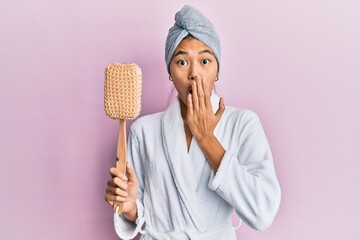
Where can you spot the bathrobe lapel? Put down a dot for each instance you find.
(182, 166)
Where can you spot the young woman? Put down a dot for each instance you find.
(193, 164)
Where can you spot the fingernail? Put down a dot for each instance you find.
(123, 177)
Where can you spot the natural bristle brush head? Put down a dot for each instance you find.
(122, 90)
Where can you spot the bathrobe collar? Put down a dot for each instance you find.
(174, 143)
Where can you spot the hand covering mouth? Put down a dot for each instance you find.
(190, 90)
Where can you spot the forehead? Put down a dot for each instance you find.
(192, 44)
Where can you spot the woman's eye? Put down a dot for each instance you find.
(182, 62)
(205, 61)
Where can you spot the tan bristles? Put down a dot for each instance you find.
(122, 90)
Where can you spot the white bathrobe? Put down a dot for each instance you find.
(180, 196)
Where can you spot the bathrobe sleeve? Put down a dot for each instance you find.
(246, 176)
(124, 228)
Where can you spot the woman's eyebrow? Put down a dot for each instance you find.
(206, 51)
(181, 52)
(186, 53)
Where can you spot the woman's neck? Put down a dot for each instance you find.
(183, 109)
(187, 130)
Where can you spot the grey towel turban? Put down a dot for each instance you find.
(191, 21)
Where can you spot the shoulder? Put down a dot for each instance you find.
(243, 125)
(239, 115)
(146, 123)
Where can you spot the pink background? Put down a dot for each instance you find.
(295, 63)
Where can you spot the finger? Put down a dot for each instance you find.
(221, 109)
(117, 191)
(120, 183)
(131, 173)
(114, 172)
(118, 208)
(190, 106)
(111, 203)
(111, 183)
(114, 205)
(201, 95)
(194, 96)
(207, 93)
(114, 198)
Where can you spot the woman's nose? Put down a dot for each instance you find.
(194, 72)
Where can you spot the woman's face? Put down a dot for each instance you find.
(192, 60)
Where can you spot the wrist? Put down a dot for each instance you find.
(206, 139)
(132, 214)
(213, 150)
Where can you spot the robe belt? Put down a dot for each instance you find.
(217, 232)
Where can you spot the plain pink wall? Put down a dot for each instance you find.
(295, 63)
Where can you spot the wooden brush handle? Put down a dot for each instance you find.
(121, 151)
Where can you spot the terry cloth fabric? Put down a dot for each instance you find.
(181, 197)
(191, 21)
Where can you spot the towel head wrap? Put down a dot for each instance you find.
(191, 21)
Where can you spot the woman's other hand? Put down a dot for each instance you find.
(200, 116)
(202, 121)
(122, 189)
